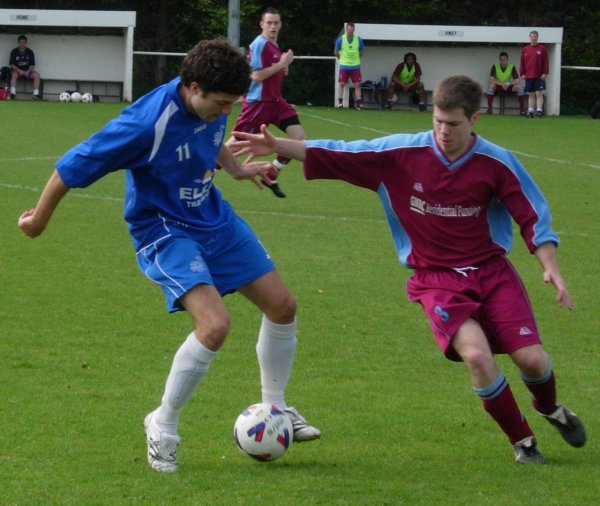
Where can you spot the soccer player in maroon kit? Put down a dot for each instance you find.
(534, 69)
(449, 196)
(264, 103)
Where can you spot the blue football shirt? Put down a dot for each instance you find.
(170, 158)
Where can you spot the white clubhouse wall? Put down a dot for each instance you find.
(94, 46)
(448, 50)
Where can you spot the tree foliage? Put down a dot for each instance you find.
(311, 26)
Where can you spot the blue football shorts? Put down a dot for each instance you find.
(532, 85)
(227, 259)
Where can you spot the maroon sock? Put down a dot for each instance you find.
(490, 99)
(521, 103)
(544, 394)
(503, 408)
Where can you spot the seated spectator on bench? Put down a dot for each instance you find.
(407, 77)
(22, 63)
(504, 80)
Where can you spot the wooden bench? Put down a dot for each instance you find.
(505, 104)
(50, 89)
(374, 96)
(404, 100)
(25, 88)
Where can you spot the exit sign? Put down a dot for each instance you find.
(451, 33)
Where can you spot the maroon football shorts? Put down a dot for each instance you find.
(491, 293)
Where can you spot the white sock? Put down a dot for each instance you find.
(190, 365)
(278, 165)
(36, 92)
(275, 350)
(13, 91)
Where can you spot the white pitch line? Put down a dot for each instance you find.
(553, 160)
(312, 216)
(29, 158)
(556, 160)
(300, 216)
(341, 123)
(240, 211)
(353, 125)
(74, 194)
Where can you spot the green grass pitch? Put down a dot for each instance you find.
(86, 343)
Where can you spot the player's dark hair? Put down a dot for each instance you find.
(503, 53)
(458, 92)
(21, 37)
(410, 54)
(270, 10)
(217, 67)
(350, 23)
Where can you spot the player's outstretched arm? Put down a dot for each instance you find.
(247, 169)
(546, 255)
(34, 221)
(266, 143)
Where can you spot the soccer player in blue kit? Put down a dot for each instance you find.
(449, 196)
(187, 239)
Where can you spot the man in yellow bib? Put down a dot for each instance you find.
(348, 49)
(407, 77)
(504, 80)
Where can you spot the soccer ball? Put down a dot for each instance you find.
(263, 432)
(75, 96)
(64, 97)
(87, 98)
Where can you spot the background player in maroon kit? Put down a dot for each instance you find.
(449, 196)
(264, 103)
(534, 69)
